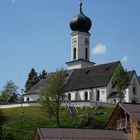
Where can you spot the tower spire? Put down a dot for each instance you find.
(80, 40)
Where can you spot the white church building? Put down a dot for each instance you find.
(85, 80)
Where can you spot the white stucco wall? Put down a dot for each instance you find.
(79, 64)
(127, 95)
(74, 66)
(128, 92)
(81, 94)
(19, 105)
(103, 94)
(31, 97)
(80, 44)
(91, 94)
(134, 83)
(111, 89)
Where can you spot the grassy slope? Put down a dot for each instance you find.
(34, 117)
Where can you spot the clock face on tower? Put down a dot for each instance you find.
(74, 42)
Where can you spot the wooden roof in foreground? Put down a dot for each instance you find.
(79, 134)
(133, 109)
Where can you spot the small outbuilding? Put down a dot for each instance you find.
(126, 117)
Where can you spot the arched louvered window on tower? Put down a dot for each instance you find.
(86, 53)
(74, 53)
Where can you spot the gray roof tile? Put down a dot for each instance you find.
(80, 134)
(84, 78)
(132, 109)
(91, 77)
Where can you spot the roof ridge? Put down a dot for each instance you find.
(106, 63)
(130, 103)
(96, 65)
(131, 71)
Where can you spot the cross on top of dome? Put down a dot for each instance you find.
(81, 4)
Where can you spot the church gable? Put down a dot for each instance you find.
(134, 88)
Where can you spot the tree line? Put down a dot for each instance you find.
(10, 94)
(33, 78)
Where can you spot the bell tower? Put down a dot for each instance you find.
(80, 41)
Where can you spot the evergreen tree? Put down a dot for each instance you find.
(53, 95)
(32, 79)
(121, 81)
(43, 74)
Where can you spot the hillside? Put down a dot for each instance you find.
(21, 122)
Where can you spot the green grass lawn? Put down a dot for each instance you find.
(23, 127)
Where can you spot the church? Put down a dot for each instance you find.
(87, 81)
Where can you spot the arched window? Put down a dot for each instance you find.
(86, 96)
(69, 97)
(74, 53)
(86, 53)
(98, 96)
(134, 90)
(28, 99)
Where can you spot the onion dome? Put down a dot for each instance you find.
(80, 22)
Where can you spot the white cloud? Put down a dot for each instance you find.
(99, 49)
(124, 59)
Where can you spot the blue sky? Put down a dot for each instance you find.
(36, 33)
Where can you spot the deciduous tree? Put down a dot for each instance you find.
(53, 95)
(4, 97)
(9, 93)
(121, 81)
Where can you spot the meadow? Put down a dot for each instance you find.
(21, 123)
